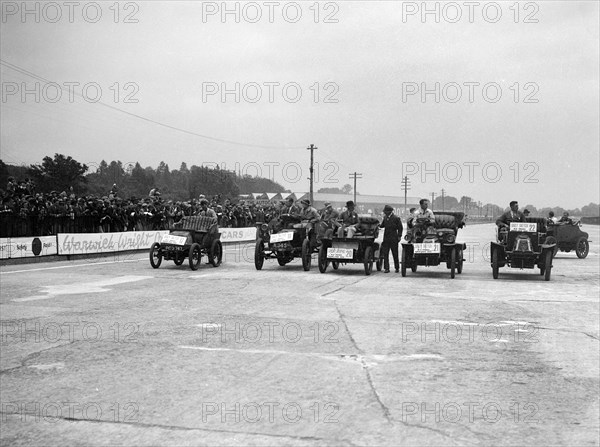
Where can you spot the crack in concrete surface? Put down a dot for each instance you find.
(184, 428)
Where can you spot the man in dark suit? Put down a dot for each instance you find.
(391, 238)
(512, 215)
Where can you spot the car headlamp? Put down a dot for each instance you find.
(450, 238)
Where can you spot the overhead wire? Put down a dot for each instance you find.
(143, 118)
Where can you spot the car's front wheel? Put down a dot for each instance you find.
(495, 265)
(259, 256)
(306, 255)
(368, 261)
(323, 263)
(155, 255)
(195, 256)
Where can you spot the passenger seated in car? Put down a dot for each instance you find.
(349, 221)
(565, 218)
(551, 218)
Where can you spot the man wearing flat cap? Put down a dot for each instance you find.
(205, 210)
(308, 213)
(288, 207)
(329, 219)
(391, 238)
(349, 221)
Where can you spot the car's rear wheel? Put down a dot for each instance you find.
(216, 253)
(155, 255)
(195, 256)
(548, 265)
(582, 247)
(306, 255)
(413, 266)
(179, 259)
(495, 265)
(259, 256)
(403, 262)
(452, 263)
(323, 263)
(459, 261)
(368, 260)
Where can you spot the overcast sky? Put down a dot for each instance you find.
(360, 71)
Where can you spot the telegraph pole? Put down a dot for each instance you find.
(311, 148)
(355, 175)
(443, 196)
(405, 187)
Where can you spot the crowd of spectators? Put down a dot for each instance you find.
(25, 212)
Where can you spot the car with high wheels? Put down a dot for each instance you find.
(359, 249)
(431, 243)
(568, 237)
(523, 245)
(285, 238)
(190, 238)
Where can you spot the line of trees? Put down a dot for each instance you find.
(60, 173)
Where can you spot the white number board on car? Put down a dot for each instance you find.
(174, 240)
(530, 227)
(340, 253)
(282, 237)
(427, 248)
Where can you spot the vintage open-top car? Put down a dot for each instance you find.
(568, 236)
(285, 238)
(361, 248)
(523, 245)
(191, 237)
(432, 243)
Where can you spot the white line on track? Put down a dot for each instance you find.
(70, 266)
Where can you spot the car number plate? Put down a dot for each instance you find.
(340, 253)
(426, 248)
(281, 237)
(530, 227)
(175, 240)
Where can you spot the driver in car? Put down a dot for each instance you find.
(205, 210)
(423, 215)
(349, 221)
(512, 215)
(289, 207)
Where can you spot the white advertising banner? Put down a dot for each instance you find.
(86, 243)
(237, 234)
(27, 247)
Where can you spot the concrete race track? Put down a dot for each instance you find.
(112, 352)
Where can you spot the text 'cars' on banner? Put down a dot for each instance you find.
(85, 243)
(237, 234)
(27, 247)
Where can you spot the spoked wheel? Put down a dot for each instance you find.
(155, 255)
(179, 259)
(452, 263)
(323, 263)
(306, 255)
(195, 256)
(548, 265)
(335, 265)
(459, 261)
(368, 261)
(378, 264)
(259, 256)
(403, 262)
(582, 247)
(216, 253)
(495, 266)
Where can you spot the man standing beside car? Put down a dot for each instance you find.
(391, 238)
